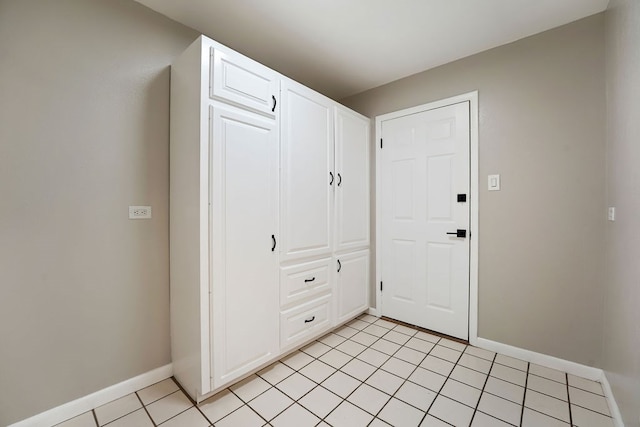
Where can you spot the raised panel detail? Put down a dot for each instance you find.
(404, 268)
(442, 129)
(402, 176)
(439, 277)
(440, 188)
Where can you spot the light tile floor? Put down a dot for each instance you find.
(373, 372)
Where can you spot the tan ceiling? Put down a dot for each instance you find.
(343, 47)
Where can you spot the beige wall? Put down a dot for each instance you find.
(542, 125)
(84, 132)
(622, 283)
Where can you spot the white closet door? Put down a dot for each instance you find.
(352, 180)
(244, 267)
(307, 172)
(352, 284)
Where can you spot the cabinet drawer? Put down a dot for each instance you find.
(304, 281)
(304, 321)
(243, 81)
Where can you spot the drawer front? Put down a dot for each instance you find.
(304, 321)
(303, 281)
(245, 82)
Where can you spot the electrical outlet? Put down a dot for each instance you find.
(611, 213)
(139, 212)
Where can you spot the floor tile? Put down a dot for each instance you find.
(512, 362)
(385, 381)
(415, 395)
(480, 419)
(469, 376)
(428, 379)
(364, 338)
(548, 373)
(376, 330)
(157, 391)
(399, 414)
(317, 371)
(405, 330)
(244, 417)
(220, 405)
(386, 347)
(396, 337)
(418, 344)
(385, 323)
(346, 332)
(341, 384)
(398, 367)
(191, 418)
(545, 386)
(445, 353)
(335, 358)
(270, 403)
(585, 418)
(451, 411)
(320, 401)
(511, 375)
(437, 365)
(250, 387)
(427, 337)
(348, 415)
(547, 405)
(296, 386)
(367, 318)
(275, 373)
(357, 324)
(431, 421)
(531, 418)
(332, 340)
(461, 392)
(373, 357)
(369, 398)
(475, 363)
(410, 355)
(454, 345)
(358, 369)
(504, 389)
(169, 406)
(585, 384)
(83, 420)
(295, 416)
(500, 408)
(297, 360)
(118, 408)
(316, 349)
(377, 422)
(588, 400)
(137, 418)
(352, 348)
(481, 353)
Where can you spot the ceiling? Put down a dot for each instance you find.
(343, 47)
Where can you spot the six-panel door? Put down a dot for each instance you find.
(244, 268)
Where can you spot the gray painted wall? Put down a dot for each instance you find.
(84, 132)
(622, 284)
(542, 127)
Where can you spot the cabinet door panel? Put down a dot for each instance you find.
(307, 161)
(352, 287)
(352, 187)
(244, 165)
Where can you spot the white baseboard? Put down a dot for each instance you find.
(613, 406)
(373, 311)
(79, 406)
(572, 368)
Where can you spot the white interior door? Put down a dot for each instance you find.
(424, 165)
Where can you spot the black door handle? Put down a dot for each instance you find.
(310, 320)
(273, 238)
(339, 180)
(274, 103)
(339, 266)
(331, 175)
(309, 280)
(459, 233)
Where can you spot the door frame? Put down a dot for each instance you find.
(472, 98)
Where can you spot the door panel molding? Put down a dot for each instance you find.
(472, 98)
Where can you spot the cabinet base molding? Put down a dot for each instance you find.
(91, 401)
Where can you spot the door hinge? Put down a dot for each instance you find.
(381, 143)
(380, 286)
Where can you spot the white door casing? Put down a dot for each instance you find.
(244, 218)
(423, 165)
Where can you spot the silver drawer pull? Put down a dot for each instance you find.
(310, 320)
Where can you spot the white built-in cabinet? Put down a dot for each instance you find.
(269, 216)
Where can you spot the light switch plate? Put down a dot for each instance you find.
(493, 182)
(611, 213)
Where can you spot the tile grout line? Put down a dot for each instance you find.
(486, 380)
(145, 408)
(95, 417)
(566, 377)
(524, 395)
